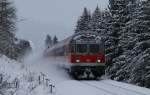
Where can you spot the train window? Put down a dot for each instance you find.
(72, 48)
(81, 48)
(94, 48)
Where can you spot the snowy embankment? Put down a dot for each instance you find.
(17, 79)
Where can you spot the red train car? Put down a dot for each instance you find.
(83, 54)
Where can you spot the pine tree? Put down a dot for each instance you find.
(106, 28)
(119, 12)
(21, 49)
(133, 64)
(83, 22)
(119, 18)
(55, 40)
(118, 9)
(141, 48)
(7, 27)
(141, 19)
(10, 46)
(128, 36)
(48, 41)
(96, 21)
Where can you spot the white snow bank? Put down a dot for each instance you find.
(28, 81)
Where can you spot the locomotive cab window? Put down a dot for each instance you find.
(72, 48)
(94, 48)
(81, 48)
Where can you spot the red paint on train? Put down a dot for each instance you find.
(99, 58)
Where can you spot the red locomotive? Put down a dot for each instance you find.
(83, 53)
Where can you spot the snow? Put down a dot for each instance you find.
(52, 68)
(12, 70)
(143, 91)
(103, 87)
(28, 71)
(78, 88)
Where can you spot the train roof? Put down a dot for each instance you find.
(74, 37)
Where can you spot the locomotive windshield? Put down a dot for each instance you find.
(87, 48)
(81, 48)
(94, 48)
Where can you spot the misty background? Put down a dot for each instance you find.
(55, 17)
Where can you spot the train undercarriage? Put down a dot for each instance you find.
(87, 72)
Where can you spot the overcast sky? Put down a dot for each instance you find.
(54, 17)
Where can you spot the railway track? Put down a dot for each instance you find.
(130, 90)
(99, 88)
(111, 89)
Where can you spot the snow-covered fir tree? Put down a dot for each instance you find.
(21, 48)
(120, 16)
(141, 48)
(105, 28)
(9, 45)
(55, 40)
(106, 22)
(48, 41)
(83, 22)
(7, 27)
(118, 11)
(128, 35)
(95, 23)
(133, 64)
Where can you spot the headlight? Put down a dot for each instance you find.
(77, 61)
(98, 61)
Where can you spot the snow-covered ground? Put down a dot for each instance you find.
(17, 79)
(28, 72)
(103, 87)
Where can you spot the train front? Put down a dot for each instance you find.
(87, 56)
